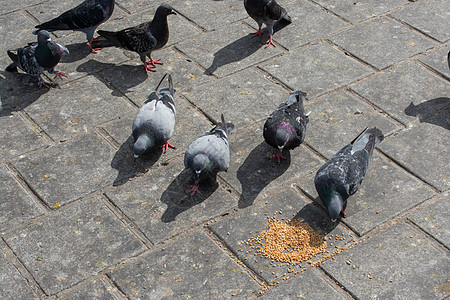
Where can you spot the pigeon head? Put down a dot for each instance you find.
(335, 206)
(165, 10)
(141, 145)
(200, 163)
(43, 36)
(281, 138)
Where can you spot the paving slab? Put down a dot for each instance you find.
(86, 235)
(94, 289)
(249, 91)
(336, 119)
(190, 124)
(438, 60)
(69, 171)
(396, 263)
(307, 285)
(309, 22)
(10, 6)
(318, 69)
(185, 75)
(358, 11)
(233, 51)
(385, 192)
(252, 172)
(402, 88)
(12, 284)
(433, 219)
(284, 204)
(136, 6)
(191, 267)
(16, 31)
(16, 206)
(210, 14)
(83, 104)
(17, 137)
(159, 205)
(385, 42)
(424, 151)
(435, 25)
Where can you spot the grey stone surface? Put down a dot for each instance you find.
(308, 285)
(395, 90)
(309, 22)
(234, 51)
(318, 69)
(69, 171)
(358, 11)
(438, 61)
(94, 289)
(134, 6)
(192, 267)
(14, 36)
(252, 172)
(423, 150)
(248, 92)
(417, 269)
(385, 192)
(12, 284)
(211, 14)
(17, 137)
(336, 119)
(159, 205)
(283, 205)
(385, 42)
(436, 25)
(185, 74)
(86, 235)
(62, 114)
(16, 206)
(434, 220)
(10, 6)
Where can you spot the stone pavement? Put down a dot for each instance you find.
(80, 219)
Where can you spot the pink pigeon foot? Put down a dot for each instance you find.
(166, 146)
(149, 67)
(60, 75)
(194, 189)
(94, 50)
(270, 42)
(154, 62)
(278, 156)
(258, 33)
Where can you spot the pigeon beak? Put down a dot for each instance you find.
(173, 13)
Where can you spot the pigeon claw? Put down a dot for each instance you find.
(94, 50)
(60, 75)
(149, 68)
(166, 146)
(258, 33)
(270, 42)
(278, 156)
(194, 189)
(154, 61)
(44, 83)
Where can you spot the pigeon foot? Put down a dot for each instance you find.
(149, 68)
(343, 214)
(270, 42)
(154, 61)
(278, 156)
(60, 75)
(258, 33)
(166, 146)
(194, 189)
(44, 83)
(94, 50)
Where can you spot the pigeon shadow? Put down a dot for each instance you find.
(254, 181)
(178, 200)
(123, 161)
(77, 52)
(18, 90)
(122, 77)
(315, 216)
(435, 111)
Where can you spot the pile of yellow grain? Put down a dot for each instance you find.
(289, 241)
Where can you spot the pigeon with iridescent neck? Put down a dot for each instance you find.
(37, 57)
(341, 176)
(209, 154)
(154, 124)
(286, 126)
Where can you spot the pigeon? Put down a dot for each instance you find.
(86, 17)
(286, 126)
(154, 124)
(209, 154)
(142, 39)
(341, 176)
(267, 12)
(37, 57)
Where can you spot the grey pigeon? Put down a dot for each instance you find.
(341, 176)
(210, 153)
(86, 17)
(286, 126)
(37, 57)
(267, 12)
(142, 39)
(154, 124)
